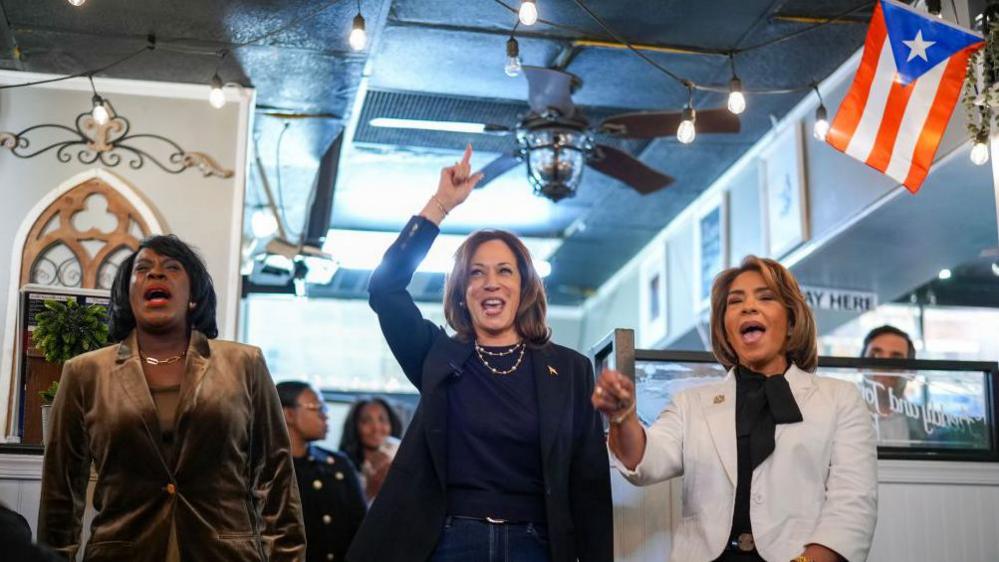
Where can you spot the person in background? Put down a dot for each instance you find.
(505, 457)
(332, 503)
(370, 438)
(894, 429)
(185, 431)
(15, 536)
(777, 463)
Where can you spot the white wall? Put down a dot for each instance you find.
(206, 212)
(928, 511)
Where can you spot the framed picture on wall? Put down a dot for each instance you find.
(782, 179)
(710, 247)
(653, 324)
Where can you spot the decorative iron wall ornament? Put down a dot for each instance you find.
(111, 143)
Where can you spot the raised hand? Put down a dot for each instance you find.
(613, 394)
(457, 182)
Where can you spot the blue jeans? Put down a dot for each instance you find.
(475, 540)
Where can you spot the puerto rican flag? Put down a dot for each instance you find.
(909, 80)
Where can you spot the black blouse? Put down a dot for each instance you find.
(761, 402)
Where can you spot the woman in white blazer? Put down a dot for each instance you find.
(777, 464)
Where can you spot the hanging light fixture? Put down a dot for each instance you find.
(686, 132)
(736, 99)
(358, 36)
(979, 153)
(821, 127)
(528, 12)
(216, 96)
(76, 3)
(101, 111)
(512, 66)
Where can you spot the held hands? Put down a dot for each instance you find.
(456, 182)
(614, 396)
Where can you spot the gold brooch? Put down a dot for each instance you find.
(719, 398)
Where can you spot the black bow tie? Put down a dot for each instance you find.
(762, 402)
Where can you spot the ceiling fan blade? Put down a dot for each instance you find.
(444, 126)
(624, 167)
(717, 121)
(497, 168)
(550, 88)
(652, 124)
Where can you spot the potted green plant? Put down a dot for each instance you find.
(47, 396)
(64, 330)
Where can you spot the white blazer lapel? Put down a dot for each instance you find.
(718, 402)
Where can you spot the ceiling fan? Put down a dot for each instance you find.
(557, 141)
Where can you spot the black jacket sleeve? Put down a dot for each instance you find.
(408, 334)
(589, 481)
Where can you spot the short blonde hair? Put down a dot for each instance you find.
(801, 345)
(531, 321)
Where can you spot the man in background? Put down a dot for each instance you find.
(895, 429)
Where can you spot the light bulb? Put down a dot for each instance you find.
(980, 153)
(216, 96)
(821, 127)
(736, 101)
(685, 133)
(263, 224)
(76, 2)
(100, 112)
(528, 12)
(512, 67)
(944, 274)
(358, 38)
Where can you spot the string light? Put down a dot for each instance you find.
(512, 66)
(358, 36)
(821, 127)
(686, 132)
(100, 111)
(528, 12)
(736, 100)
(979, 153)
(216, 96)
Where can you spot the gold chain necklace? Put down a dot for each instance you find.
(154, 361)
(480, 351)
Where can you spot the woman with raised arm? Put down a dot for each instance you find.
(777, 463)
(505, 456)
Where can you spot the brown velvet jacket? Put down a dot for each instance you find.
(230, 490)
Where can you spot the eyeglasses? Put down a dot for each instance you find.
(315, 407)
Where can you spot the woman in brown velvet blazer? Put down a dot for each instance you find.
(186, 433)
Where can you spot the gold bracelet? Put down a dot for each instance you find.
(618, 419)
(439, 204)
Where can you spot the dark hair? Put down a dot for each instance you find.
(888, 329)
(530, 322)
(350, 439)
(202, 318)
(802, 347)
(289, 391)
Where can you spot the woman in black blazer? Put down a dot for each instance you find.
(505, 457)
